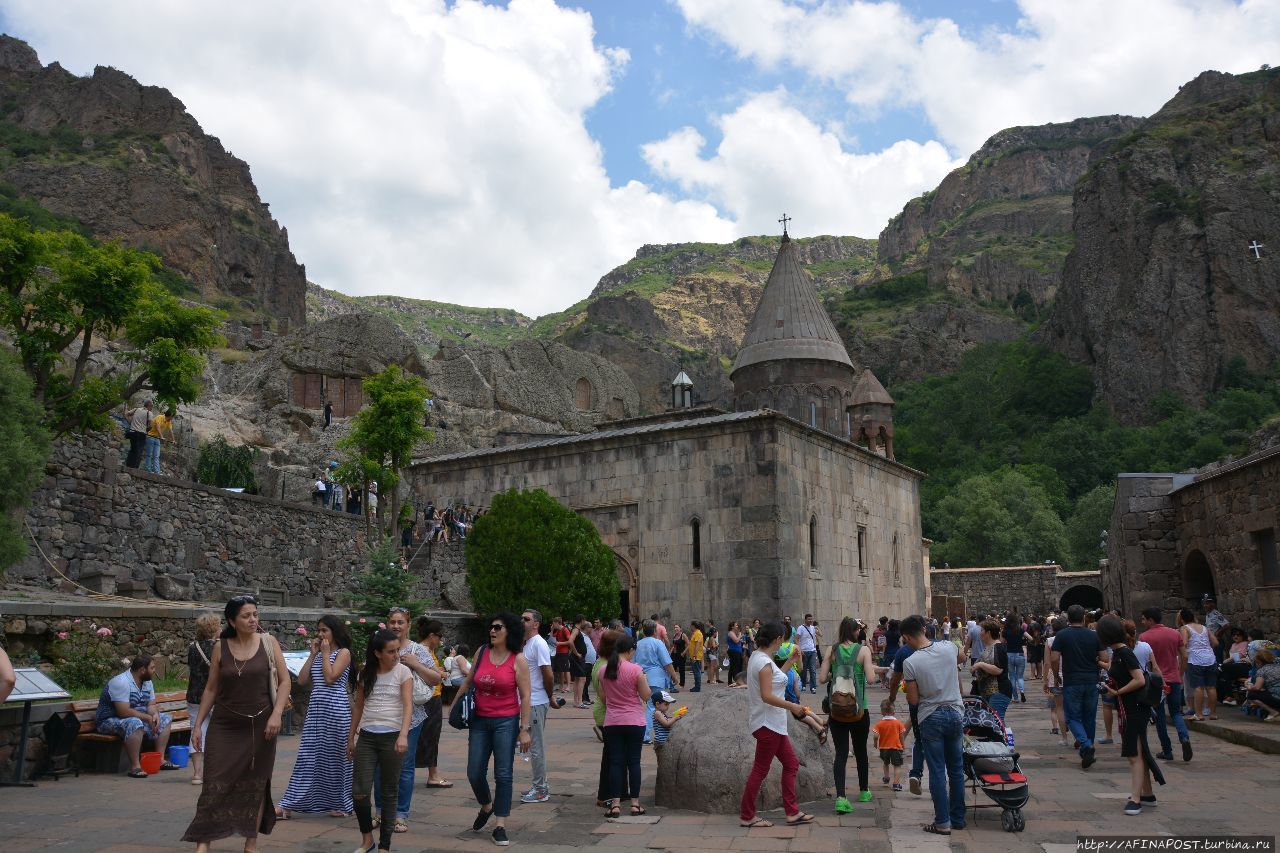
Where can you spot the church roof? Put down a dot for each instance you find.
(869, 390)
(790, 321)
(644, 427)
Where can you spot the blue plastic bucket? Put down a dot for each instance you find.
(179, 755)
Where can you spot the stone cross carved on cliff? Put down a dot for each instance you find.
(1257, 248)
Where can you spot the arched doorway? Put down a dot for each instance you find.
(1197, 578)
(628, 588)
(1086, 595)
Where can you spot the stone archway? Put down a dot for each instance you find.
(1197, 577)
(629, 588)
(1086, 595)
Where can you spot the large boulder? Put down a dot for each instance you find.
(704, 765)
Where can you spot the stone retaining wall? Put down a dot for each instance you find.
(1032, 589)
(115, 529)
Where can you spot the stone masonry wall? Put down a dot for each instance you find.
(1142, 559)
(1032, 589)
(1227, 515)
(115, 529)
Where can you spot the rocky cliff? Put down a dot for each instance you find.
(1161, 289)
(130, 163)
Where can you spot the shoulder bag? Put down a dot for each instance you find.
(464, 706)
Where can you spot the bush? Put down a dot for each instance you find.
(531, 551)
(24, 447)
(385, 584)
(82, 660)
(227, 466)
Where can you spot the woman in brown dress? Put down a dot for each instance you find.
(241, 750)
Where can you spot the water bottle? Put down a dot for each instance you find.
(1008, 737)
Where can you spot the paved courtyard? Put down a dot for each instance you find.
(1226, 789)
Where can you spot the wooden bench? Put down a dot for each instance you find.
(106, 759)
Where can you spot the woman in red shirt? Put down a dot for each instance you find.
(501, 679)
(560, 660)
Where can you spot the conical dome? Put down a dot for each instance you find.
(790, 322)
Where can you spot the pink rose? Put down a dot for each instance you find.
(76, 622)
(382, 625)
(362, 620)
(104, 632)
(302, 629)
(62, 635)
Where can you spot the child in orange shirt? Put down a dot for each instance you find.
(889, 732)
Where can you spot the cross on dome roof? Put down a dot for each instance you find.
(790, 322)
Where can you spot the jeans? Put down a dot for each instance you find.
(1000, 702)
(538, 747)
(152, 462)
(1174, 703)
(809, 670)
(377, 750)
(841, 736)
(1080, 707)
(494, 736)
(137, 444)
(624, 744)
(735, 665)
(1018, 674)
(770, 745)
(405, 783)
(696, 666)
(941, 737)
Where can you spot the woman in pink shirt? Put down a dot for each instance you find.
(501, 678)
(625, 690)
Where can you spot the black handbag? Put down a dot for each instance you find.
(464, 705)
(1153, 691)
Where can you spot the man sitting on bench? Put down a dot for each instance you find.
(127, 709)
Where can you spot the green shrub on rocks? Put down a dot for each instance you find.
(24, 447)
(227, 466)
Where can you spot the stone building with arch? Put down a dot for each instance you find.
(1178, 537)
(771, 509)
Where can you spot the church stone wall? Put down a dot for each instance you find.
(752, 485)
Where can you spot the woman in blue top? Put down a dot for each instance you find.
(733, 638)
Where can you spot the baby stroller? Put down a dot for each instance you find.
(992, 766)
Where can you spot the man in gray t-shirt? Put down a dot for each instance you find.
(932, 677)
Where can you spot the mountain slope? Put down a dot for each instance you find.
(1161, 291)
(130, 163)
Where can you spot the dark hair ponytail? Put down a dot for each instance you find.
(369, 674)
(620, 648)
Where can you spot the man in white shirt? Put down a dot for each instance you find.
(807, 640)
(933, 686)
(541, 685)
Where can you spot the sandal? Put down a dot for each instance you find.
(283, 814)
(168, 765)
(339, 814)
(613, 812)
(137, 773)
(439, 783)
(758, 823)
(401, 825)
(932, 828)
(799, 819)
(636, 811)
(822, 736)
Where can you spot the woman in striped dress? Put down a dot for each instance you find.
(321, 780)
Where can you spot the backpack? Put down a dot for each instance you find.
(842, 688)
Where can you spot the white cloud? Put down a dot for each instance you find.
(418, 148)
(772, 158)
(1062, 60)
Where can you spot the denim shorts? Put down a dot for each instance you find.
(1202, 676)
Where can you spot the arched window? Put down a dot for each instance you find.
(897, 566)
(813, 542)
(582, 396)
(813, 414)
(695, 527)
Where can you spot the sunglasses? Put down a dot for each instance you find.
(244, 599)
(497, 627)
(403, 610)
(526, 618)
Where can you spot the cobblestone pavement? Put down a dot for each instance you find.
(1222, 791)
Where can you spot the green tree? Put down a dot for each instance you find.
(381, 586)
(227, 466)
(385, 432)
(530, 550)
(60, 294)
(1003, 518)
(1091, 516)
(24, 447)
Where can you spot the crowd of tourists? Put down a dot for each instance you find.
(371, 725)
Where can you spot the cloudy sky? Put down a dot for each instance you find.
(509, 154)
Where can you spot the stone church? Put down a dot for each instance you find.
(792, 503)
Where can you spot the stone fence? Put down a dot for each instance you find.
(163, 631)
(1032, 589)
